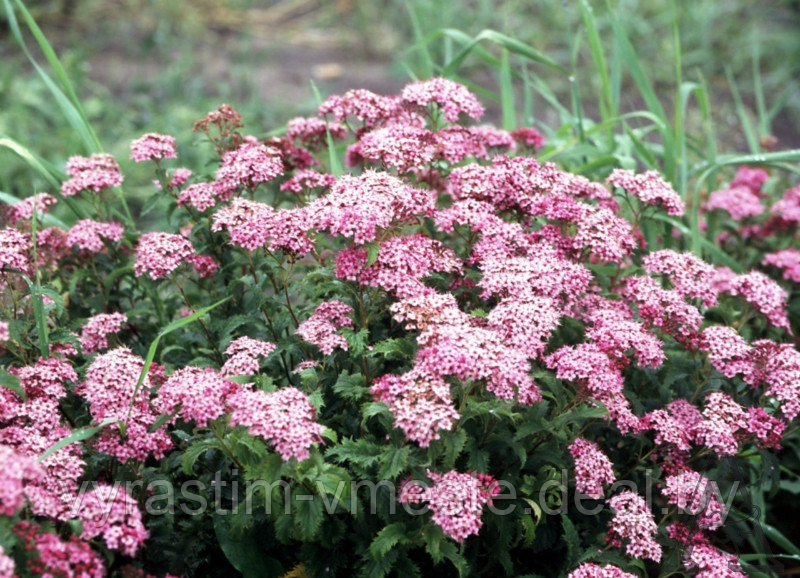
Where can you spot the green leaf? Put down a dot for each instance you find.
(373, 249)
(78, 435)
(393, 461)
(388, 538)
(308, 513)
(361, 452)
(244, 552)
(11, 382)
(351, 387)
(454, 444)
(572, 540)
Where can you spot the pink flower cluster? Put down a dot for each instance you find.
(159, 254)
(634, 523)
(153, 147)
(284, 417)
(769, 298)
(421, 404)
(89, 235)
(689, 275)
(95, 173)
(650, 188)
(788, 260)
(248, 166)
(694, 494)
(456, 500)
(14, 249)
(23, 210)
(590, 570)
(15, 472)
(113, 390)
(451, 97)
(592, 468)
(320, 329)
(110, 512)
(94, 334)
(243, 356)
(195, 394)
(57, 557)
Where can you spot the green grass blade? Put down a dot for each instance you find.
(65, 96)
(741, 112)
(758, 89)
(78, 435)
(421, 47)
(151, 352)
(607, 105)
(36, 295)
(507, 93)
(631, 61)
(334, 164)
(472, 45)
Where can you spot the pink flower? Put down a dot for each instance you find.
(244, 353)
(727, 352)
(308, 179)
(739, 202)
(592, 468)
(401, 265)
(254, 225)
(357, 207)
(787, 208)
(201, 196)
(95, 173)
(788, 260)
(56, 557)
(5, 334)
(526, 323)
(320, 329)
(94, 335)
(662, 308)
(250, 165)
(109, 387)
(205, 266)
(23, 210)
(528, 137)
(89, 235)
(110, 512)
(712, 563)
(615, 333)
(633, 522)
(777, 366)
(159, 254)
(590, 570)
(16, 471)
(693, 493)
(195, 394)
(690, 276)
(456, 500)
(284, 417)
(751, 177)
(153, 147)
(420, 403)
(723, 419)
(362, 104)
(650, 188)
(7, 566)
(14, 249)
(399, 146)
(451, 97)
(769, 298)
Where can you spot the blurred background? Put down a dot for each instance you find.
(158, 65)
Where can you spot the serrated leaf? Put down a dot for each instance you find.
(393, 461)
(388, 538)
(373, 249)
(454, 445)
(572, 540)
(352, 387)
(307, 513)
(193, 453)
(361, 452)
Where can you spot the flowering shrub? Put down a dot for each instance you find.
(450, 357)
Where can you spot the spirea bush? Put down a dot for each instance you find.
(434, 353)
